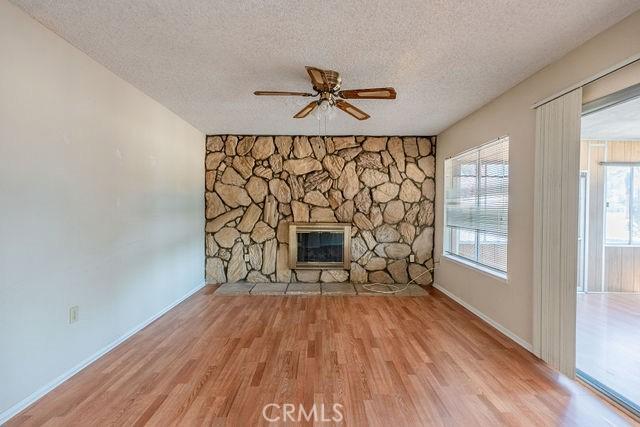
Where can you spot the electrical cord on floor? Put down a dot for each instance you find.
(395, 288)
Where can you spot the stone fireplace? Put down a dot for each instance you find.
(382, 187)
(319, 246)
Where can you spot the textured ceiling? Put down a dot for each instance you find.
(204, 58)
(620, 122)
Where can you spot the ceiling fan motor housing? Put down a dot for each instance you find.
(333, 81)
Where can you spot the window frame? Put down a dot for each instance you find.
(447, 230)
(630, 203)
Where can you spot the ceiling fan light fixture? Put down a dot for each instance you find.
(327, 87)
(325, 110)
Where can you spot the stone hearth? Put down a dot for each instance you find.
(312, 289)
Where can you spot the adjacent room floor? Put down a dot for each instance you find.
(608, 340)
(401, 361)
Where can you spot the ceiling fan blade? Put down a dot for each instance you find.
(323, 80)
(372, 93)
(306, 110)
(352, 110)
(278, 93)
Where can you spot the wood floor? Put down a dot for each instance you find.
(401, 361)
(608, 340)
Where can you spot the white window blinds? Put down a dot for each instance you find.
(477, 205)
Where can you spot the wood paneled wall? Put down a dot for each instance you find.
(595, 152)
(622, 268)
(620, 271)
(623, 151)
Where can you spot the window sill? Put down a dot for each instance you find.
(502, 277)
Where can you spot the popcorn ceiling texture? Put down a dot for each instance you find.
(203, 59)
(257, 185)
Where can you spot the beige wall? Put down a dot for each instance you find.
(510, 304)
(101, 206)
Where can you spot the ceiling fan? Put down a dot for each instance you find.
(326, 84)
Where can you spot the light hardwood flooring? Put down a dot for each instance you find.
(402, 361)
(608, 340)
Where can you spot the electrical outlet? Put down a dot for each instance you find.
(74, 313)
(412, 258)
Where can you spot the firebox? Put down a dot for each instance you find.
(319, 246)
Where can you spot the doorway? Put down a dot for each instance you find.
(608, 300)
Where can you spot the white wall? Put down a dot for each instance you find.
(510, 304)
(101, 206)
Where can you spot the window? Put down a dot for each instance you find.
(622, 207)
(476, 206)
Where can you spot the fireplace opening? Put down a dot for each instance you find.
(320, 246)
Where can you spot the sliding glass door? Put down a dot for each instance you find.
(608, 300)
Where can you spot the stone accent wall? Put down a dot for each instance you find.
(256, 185)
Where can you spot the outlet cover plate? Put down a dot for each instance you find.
(74, 313)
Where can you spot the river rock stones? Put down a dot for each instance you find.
(256, 185)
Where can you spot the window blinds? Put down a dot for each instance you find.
(477, 204)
